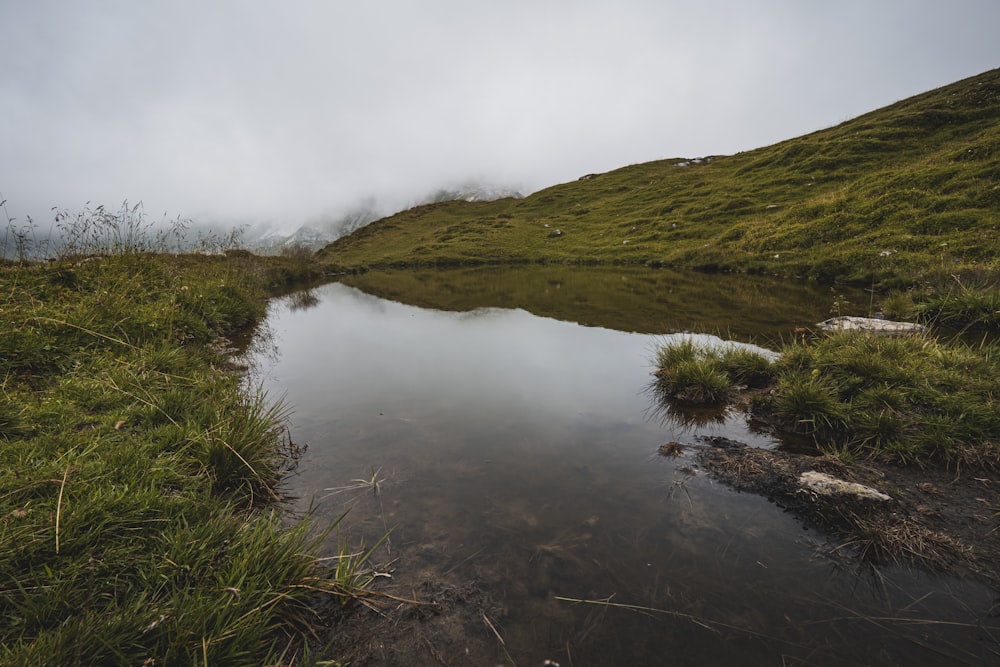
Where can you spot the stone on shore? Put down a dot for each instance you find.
(870, 325)
(828, 485)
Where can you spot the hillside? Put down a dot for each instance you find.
(908, 190)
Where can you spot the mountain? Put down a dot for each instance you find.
(903, 191)
(317, 233)
(472, 191)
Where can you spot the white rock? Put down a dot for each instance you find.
(827, 485)
(870, 324)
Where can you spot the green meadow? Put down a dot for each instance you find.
(904, 194)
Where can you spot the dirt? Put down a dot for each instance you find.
(444, 623)
(945, 520)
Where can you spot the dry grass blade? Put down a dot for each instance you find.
(496, 633)
(62, 487)
(489, 624)
(85, 330)
(900, 541)
(708, 625)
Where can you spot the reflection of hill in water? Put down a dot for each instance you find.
(623, 298)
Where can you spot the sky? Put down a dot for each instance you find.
(299, 111)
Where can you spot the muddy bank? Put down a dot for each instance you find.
(936, 519)
(450, 621)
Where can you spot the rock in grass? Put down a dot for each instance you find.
(870, 325)
(828, 485)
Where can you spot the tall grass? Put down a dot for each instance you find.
(102, 231)
(137, 480)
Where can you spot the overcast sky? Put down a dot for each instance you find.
(292, 110)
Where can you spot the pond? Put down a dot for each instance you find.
(501, 431)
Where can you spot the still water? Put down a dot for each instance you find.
(514, 458)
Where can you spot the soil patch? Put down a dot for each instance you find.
(937, 519)
(445, 623)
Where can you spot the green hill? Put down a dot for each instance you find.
(909, 190)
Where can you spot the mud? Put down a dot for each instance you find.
(939, 519)
(446, 623)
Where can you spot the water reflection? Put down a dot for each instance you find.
(517, 459)
(624, 298)
(302, 300)
(670, 413)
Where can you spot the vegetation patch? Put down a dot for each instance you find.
(910, 398)
(138, 478)
(920, 413)
(969, 304)
(700, 375)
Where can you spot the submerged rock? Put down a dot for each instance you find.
(828, 485)
(871, 325)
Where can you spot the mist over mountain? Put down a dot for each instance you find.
(38, 239)
(317, 232)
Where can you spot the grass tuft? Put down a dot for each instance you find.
(808, 405)
(911, 398)
(693, 375)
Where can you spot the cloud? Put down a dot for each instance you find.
(239, 111)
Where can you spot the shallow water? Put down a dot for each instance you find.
(517, 455)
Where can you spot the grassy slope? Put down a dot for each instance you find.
(910, 189)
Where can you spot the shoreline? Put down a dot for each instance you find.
(936, 519)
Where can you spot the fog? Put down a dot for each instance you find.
(300, 111)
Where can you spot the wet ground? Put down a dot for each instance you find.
(935, 518)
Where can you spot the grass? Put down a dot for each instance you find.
(689, 374)
(138, 477)
(952, 303)
(890, 198)
(911, 398)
